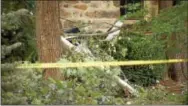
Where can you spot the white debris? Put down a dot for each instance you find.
(31, 13)
(128, 103)
(115, 33)
(97, 46)
(66, 43)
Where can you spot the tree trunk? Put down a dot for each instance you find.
(165, 4)
(152, 7)
(48, 35)
(177, 71)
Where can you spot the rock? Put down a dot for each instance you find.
(64, 13)
(66, 5)
(81, 6)
(102, 14)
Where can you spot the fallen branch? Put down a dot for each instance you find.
(125, 85)
(111, 33)
(118, 80)
(73, 35)
(66, 44)
(115, 33)
(79, 49)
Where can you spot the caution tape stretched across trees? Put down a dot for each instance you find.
(99, 63)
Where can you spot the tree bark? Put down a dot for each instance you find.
(48, 35)
(165, 4)
(177, 71)
(152, 7)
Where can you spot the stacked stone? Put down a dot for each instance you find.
(96, 12)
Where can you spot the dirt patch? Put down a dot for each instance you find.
(172, 86)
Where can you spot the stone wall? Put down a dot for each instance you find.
(94, 12)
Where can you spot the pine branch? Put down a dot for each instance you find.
(5, 50)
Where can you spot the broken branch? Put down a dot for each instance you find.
(118, 80)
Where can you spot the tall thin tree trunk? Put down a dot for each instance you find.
(48, 34)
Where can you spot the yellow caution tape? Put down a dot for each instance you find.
(99, 63)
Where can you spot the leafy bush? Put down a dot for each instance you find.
(82, 86)
(144, 48)
(170, 26)
(130, 46)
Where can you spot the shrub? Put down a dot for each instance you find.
(137, 47)
(82, 86)
(158, 96)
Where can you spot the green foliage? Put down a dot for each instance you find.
(91, 85)
(171, 20)
(158, 96)
(18, 26)
(14, 83)
(170, 23)
(173, 23)
(14, 5)
(129, 46)
(134, 11)
(143, 48)
(25, 87)
(82, 86)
